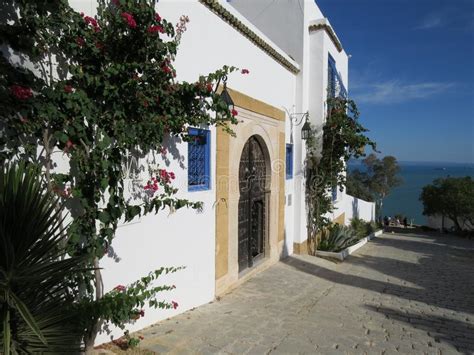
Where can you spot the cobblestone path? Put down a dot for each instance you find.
(399, 294)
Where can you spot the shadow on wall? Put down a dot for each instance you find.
(454, 332)
(355, 208)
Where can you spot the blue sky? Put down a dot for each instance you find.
(411, 73)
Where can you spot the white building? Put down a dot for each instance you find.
(290, 50)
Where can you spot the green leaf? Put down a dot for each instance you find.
(104, 183)
(132, 211)
(27, 316)
(61, 136)
(104, 217)
(6, 331)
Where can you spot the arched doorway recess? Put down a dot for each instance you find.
(254, 176)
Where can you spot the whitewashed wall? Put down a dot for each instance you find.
(187, 238)
(353, 208)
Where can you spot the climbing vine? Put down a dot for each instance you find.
(92, 91)
(327, 151)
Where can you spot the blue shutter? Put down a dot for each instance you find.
(289, 161)
(199, 174)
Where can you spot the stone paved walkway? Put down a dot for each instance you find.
(400, 294)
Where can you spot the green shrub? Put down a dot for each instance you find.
(360, 227)
(337, 238)
(373, 227)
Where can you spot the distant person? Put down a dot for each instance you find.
(405, 222)
(386, 221)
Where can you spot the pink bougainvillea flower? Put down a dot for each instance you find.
(163, 151)
(80, 41)
(129, 19)
(116, 2)
(157, 17)
(21, 92)
(68, 146)
(90, 21)
(166, 69)
(151, 186)
(245, 71)
(93, 22)
(171, 175)
(68, 89)
(155, 29)
(120, 288)
(175, 304)
(209, 87)
(141, 337)
(142, 313)
(234, 112)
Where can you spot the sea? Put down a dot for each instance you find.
(404, 199)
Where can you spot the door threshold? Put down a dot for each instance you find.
(255, 265)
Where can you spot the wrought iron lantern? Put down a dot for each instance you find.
(296, 119)
(306, 129)
(225, 96)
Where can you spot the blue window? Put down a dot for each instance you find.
(199, 157)
(334, 193)
(289, 161)
(332, 73)
(335, 84)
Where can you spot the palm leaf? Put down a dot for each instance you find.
(36, 290)
(27, 316)
(6, 331)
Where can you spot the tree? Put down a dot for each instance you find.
(376, 182)
(450, 197)
(357, 184)
(98, 89)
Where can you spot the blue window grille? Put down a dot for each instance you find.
(335, 85)
(334, 193)
(199, 157)
(332, 72)
(289, 161)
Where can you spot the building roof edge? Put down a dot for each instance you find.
(241, 24)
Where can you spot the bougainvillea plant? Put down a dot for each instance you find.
(94, 90)
(327, 151)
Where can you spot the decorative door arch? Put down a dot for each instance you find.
(253, 202)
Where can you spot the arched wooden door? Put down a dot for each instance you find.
(253, 205)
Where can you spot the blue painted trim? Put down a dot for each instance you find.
(332, 73)
(289, 161)
(335, 79)
(207, 160)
